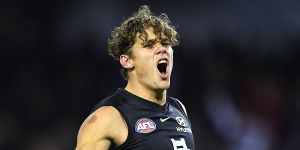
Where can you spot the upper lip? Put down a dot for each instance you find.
(163, 58)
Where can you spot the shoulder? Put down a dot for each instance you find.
(105, 114)
(100, 121)
(106, 119)
(178, 104)
(105, 123)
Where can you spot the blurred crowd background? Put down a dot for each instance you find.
(235, 70)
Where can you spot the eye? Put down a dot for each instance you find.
(149, 43)
(165, 42)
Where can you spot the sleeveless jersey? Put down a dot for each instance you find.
(151, 126)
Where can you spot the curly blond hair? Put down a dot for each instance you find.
(123, 37)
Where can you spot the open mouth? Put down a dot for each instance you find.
(162, 66)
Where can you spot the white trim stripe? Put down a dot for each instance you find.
(181, 106)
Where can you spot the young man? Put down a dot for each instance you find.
(140, 116)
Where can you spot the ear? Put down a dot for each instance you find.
(126, 61)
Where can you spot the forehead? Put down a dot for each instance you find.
(140, 38)
(150, 33)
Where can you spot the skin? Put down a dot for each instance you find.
(102, 128)
(106, 125)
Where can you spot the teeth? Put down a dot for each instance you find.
(162, 61)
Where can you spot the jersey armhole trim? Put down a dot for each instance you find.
(183, 107)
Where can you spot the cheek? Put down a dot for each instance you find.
(144, 63)
(144, 66)
(171, 58)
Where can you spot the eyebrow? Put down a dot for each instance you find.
(152, 40)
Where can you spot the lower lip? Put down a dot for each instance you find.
(164, 75)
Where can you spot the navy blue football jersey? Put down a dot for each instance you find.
(151, 126)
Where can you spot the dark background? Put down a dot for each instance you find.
(235, 70)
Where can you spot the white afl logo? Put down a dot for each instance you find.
(145, 125)
(181, 121)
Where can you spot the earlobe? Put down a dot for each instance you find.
(126, 61)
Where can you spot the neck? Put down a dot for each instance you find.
(156, 96)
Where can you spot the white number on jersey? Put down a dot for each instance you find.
(179, 144)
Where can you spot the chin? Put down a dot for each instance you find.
(164, 86)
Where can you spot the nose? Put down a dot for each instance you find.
(161, 49)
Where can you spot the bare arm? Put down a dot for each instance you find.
(100, 129)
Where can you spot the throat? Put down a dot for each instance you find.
(160, 98)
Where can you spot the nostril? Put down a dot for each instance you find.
(161, 50)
